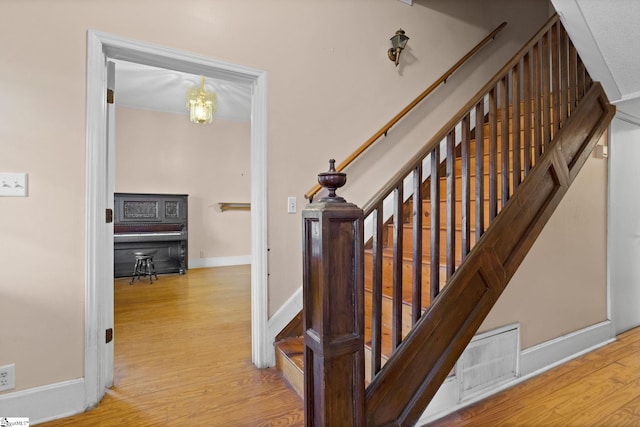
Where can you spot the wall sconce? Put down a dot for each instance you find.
(399, 42)
(201, 104)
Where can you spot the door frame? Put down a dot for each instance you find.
(99, 235)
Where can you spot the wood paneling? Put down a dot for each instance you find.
(183, 357)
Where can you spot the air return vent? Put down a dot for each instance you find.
(489, 360)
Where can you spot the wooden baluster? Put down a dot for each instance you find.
(465, 189)
(515, 126)
(504, 139)
(526, 122)
(434, 278)
(537, 102)
(581, 80)
(479, 169)
(398, 231)
(451, 203)
(493, 154)
(376, 291)
(573, 78)
(555, 77)
(546, 93)
(333, 313)
(564, 75)
(416, 268)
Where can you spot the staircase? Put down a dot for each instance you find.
(487, 197)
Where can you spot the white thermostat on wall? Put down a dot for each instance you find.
(13, 184)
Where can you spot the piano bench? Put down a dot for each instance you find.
(144, 266)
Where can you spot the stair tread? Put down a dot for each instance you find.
(388, 252)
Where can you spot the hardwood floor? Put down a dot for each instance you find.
(599, 389)
(183, 357)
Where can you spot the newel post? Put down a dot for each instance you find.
(333, 309)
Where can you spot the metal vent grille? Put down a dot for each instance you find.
(490, 359)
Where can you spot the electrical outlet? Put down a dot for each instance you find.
(292, 205)
(7, 377)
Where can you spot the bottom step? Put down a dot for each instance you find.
(290, 362)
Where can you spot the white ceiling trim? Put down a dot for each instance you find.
(585, 42)
(604, 33)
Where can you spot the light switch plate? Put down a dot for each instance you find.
(13, 184)
(292, 205)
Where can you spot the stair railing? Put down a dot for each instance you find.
(463, 179)
(309, 195)
(541, 85)
(517, 115)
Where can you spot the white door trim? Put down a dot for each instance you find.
(99, 276)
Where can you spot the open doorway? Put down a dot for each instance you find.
(99, 293)
(160, 151)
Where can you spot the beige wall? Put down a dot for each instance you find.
(561, 286)
(330, 86)
(166, 153)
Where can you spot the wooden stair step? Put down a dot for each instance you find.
(407, 271)
(290, 362)
(407, 236)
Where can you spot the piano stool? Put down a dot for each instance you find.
(144, 266)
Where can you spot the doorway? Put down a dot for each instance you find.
(99, 274)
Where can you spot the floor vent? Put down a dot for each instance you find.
(490, 359)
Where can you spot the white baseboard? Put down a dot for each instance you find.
(533, 361)
(219, 261)
(46, 403)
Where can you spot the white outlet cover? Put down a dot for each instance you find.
(13, 184)
(7, 377)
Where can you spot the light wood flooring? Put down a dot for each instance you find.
(183, 357)
(599, 389)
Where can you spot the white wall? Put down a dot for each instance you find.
(624, 223)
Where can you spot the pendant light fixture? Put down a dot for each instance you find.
(201, 103)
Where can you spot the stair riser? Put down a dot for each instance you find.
(407, 269)
(407, 244)
(426, 212)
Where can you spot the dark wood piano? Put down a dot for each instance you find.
(150, 222)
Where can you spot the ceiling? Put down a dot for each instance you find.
(159, 89)
(604, 32)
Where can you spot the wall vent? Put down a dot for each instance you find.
(490, 359)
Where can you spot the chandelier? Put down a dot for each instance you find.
(201, 103)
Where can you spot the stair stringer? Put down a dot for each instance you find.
(404, 387)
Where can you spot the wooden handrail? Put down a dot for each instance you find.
(383, 131)
(442, 133)
(234, 206)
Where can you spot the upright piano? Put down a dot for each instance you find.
(150, 222)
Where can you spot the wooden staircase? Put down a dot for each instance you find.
(425, 293)
(290, 349)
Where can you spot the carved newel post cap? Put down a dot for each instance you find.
(332, 180)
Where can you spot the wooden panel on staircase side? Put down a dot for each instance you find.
(401, 391)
